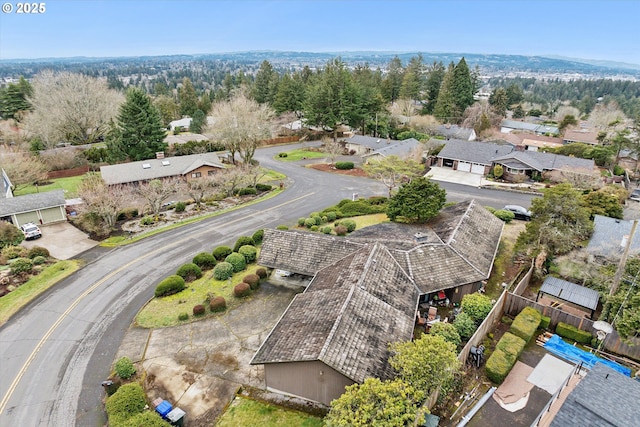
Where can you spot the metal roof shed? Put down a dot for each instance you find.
(570, 292)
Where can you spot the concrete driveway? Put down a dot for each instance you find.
(458, 177)
(63, 240)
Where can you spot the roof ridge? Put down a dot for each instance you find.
(457, 227)
(408, 274)
(331, 334)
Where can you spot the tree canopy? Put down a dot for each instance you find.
(14, 99)
(418, 201)
(391, 170)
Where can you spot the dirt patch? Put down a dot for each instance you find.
(326, 167)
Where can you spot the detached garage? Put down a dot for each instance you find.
(39, 208)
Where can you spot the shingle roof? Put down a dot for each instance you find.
(542, 161)
(159, 168)
(582, 135)
(475, 152)
(31, 202)
(400, 148)
(603, 398)
(571, 292)
(608, 237)
(369, 141)
(532, 127)
(456, 132)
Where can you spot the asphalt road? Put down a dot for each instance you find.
(56, 351)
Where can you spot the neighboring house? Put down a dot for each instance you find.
(401, 149)
(184, 124)
(5, 190)
(519, 165)
(530, 142)
(456, 132)
(364, 295)
(38, 208)
(188, 167)
(628, 159)
(610, 236)
(474, 157)
(362, 145)
(508, 126)
(584, 136)
(184, 138)
(603, 398)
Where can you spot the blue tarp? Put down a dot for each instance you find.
(573, 354)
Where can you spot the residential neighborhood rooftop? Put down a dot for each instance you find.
(609, 237)
(570, 292)
(31, 202)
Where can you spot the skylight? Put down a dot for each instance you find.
(146, 166)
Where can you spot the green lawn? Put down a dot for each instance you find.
(163, 312)
(300, 154)
(69, 185)
(247, 412)
(272, 175)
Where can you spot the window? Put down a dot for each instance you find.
(196, 175)
(211, 172)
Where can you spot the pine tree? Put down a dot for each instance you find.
(393, 80)
(432, 85)
(188, 98)
(264, 84)
(14, 99)
(462, 85)
(445, 108)
(413, 79)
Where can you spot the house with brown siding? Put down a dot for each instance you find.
(364, 294)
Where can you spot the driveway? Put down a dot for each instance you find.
(63, 240)
(458, 177)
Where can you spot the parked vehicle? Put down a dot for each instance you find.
(635, 195)
(31, 231)
(519, 212)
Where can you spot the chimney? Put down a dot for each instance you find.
(160, 155)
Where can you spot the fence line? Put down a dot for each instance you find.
(66, 173)
(524, 282)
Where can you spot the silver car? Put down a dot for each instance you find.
(31, 231)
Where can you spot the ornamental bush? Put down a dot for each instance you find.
(282, 227)
(309, 222)
(183, 316)
(344, 165)
(261, 273)
(283, 155)
(263, 187)
(21, 265)
(250, 253)
(243, 240)
(477, 306)
(124, 368)
(204, 260)
(301, 221)
(180, 207)
(252, 280)
(349, 223)
(38, 251)
(221, 252)
(189, 272)
(446, 331)
(39, 260)
(147, 220)
(331, 216)
(198, 310)
(218, 304)
(241, 290)
(464, 325)
(10, 235)
(247, 191)
(505, 215)
(169, 286)
(526, 323)
(223, 271)
(258, 236)
(314, 228)
(572, 333)
(128, 401)
(237, 260)
(326, 230)
(341, 230)
(13, 252)
(126, 214)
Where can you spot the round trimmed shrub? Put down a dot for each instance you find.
(218, 304)
(263, 187)
(125, 403)
(221, 252)
(261, 273)
(283, 155)
(341, 230)
(344, 165)
(222, 271)
(39, 260)
(331, 216)
(252, 280)
(301, 221)
(241, 290)
(505, 215)
(247, 191)
(12, 252)
(309, 222)
(124, 368)
(250, 253)
(38, 251)
(326, 230)
(243, 240)
(183, 316)
(180, 207)
(169, 286)
(198, 310)
(204, 260)
(349, 223)
(189, 272)
(314, 228)
(237, 260)
(477, 306)
(282, 227)
(258, 236)
(21, 265)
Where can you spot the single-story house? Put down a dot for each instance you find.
(362, 144)
(38, 208)
(184, 123)
(189, 167)
(610, 237)
(584, 136)
(603, 398)
(629, 160)
(474, 157)
(530, 142)
(518, 164)
(183, 138)
(401, 149)
(365, 293)
(508, 126)
(456, 132)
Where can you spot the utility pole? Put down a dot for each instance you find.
(623, 260)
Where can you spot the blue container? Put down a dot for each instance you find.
(164, 408)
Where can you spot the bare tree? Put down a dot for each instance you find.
(70, 107)
(22, 168)
(240, 124)
(481, 117)
(156, 191)
(253, 174)
(566, 110)
(103, 200)
(332, 148)
(393, 170)
(200, 188)
(231, 179)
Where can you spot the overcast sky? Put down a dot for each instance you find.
(593, 29)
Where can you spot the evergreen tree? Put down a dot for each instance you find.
(462, 85)
(198, 121)
(14, 99)
(138, 132)
(413, 79)
(445, 108)
(265, 83)
(187, 98)
(417, 201)
(499, 101)
(393, 80)
(290, 95)
(432, 85)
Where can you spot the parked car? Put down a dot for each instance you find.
(519, 212)
(635, 195)
(31, 231)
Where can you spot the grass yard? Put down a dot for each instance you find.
(69, 185)
(248, 412)
(52, 274)
(367, 220)
(300, 154)
(164, 312)
(503, 267)
(272, 175)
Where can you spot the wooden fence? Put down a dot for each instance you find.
(281, 140)
(68, 172)
(524, 282)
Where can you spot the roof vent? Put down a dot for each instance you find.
(166, 163)
(420, 237)
(146, 166)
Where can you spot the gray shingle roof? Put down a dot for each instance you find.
(532, 127)
(475, 152)
(571, 292)
(542, 161)
(603, 398)
(400, 148)
(369, 141)
(159, 168)
(456, 132)
(608, 235)
(31, 202)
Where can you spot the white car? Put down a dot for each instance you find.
(31, 231)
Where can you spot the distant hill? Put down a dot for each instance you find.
(598, 63)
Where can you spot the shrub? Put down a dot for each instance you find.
(446, 331)
(147, 220)
(221, 252)
(359, 207)
(242, 241)
(218, 304)
(127, 214)
(258, 236)
(223, 271)
(326, 230)
(241, 290)
(314, 228)
(39, 260)
(169, 286)
(189, 272)
(38, 251)
(198, 310)
(511, 344)
(261, 273)
(263, 187)
(128, 401)
(618, 170)
(309, 222)
(124, 368)
(282, 227)
(283, 155)
(237, 260)
(146, 419)
(341, 230)
(331, 216)
(572, 333)
(498, 366)
(10, 235)
(505, 215)
(544, 322)
(506, 320)
(180, 207)
(464, 325)
(349, 223)
(247, 191)
(250, 253)
(12, 252)
(477, 306)
(344, 165)
(183, 316)
(204, 260)
(490, 209)
(526, 323)
(301, 221)
(21, 265)
(252, 280)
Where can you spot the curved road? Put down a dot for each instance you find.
(55, 352)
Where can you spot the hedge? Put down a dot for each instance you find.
(147, 419)
(511, 344)
(499, 365)
(263, 187)
(282, 227)
(344, 165)
(258, 236)
(128, 401)
(221, 252)
(544, 324)
(223, 271)
(243, 240)
(169, 286)
(526, 323)
(189, 272)
(572, 333)
(237, 260)
(247, 191)
(204, 260)
(241, 290)
(218, 304)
